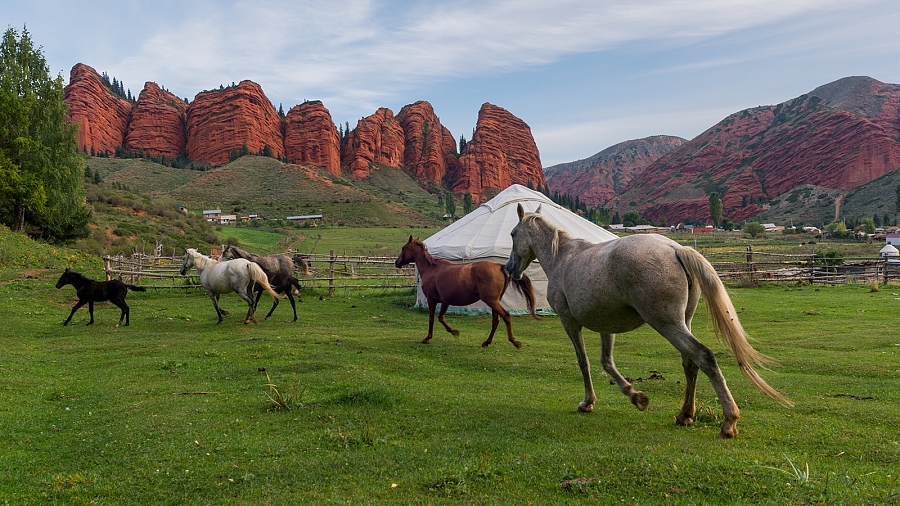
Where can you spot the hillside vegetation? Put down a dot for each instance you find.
(273, 189)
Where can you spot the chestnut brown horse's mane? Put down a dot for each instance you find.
(425, 253)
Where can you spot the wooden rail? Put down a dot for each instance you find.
(342, 272)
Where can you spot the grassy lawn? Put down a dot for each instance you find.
(178, 410)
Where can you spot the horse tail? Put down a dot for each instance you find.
(257, 275)
(725, 321)
(525, 288)
(304, 265)
(136, 288)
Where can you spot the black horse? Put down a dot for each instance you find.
(90, 291)
(281, 284)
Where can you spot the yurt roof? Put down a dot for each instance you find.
(484, 232)
(889, 251)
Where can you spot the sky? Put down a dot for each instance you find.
(584, 74)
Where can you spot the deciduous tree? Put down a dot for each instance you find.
(40, 169)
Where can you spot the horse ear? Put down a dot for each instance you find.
(410, 240)
(521, 211)
(538, 210)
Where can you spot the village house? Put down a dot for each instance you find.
(314, 218)
(893, 238)
(213, 215)
(227, 219)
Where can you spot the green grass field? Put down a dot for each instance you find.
(178, 410)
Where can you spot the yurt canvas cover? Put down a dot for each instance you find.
(483, 234)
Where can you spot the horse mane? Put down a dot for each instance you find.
(558, 233)
(79, 276)
(428, 258)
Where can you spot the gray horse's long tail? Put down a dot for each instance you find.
(257, 274)
(725, 320)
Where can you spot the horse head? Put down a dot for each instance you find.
(64, 279)
(522, 253)
(410, 251)
(227, 253)
(187, 261)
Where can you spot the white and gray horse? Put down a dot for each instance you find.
(219, 278)
(619, 285)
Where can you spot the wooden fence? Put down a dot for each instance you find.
(327, 272)
(810, 268)
(341, 272)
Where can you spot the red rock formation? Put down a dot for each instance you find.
(598, 179)
(839, 136)
(310, 137)
(101, 115)
(430, 149)
(221, 121)
(502, 152)
(157, 123)
(376, 139)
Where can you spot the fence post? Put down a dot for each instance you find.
(750, 264)
(107, 267)
(331, 275)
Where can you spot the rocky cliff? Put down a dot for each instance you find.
(240, 118)
(157, 123)
(599, 178)
(430, 149)
(102, 116)
(310, 137)
(838, 136)
(502, 152)
(376, 139)
(221, 121)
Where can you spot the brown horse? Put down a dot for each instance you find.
(449, 284)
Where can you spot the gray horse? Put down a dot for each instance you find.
(280, 263)
(219, 278)
(619, 285)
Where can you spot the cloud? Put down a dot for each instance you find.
(364, 48)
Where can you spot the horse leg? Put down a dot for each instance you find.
(497, 312)
(125, 311)
(704, 360)
(686, 415)
(74, 308)
(91, 310)
(275, 304)
(251, 306)
(573, 329)
(215, 301)
(431, 308)
(495, 320)
(444, 308)
(293, 306)
(688, 409)
(638, 398)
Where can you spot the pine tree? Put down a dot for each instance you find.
(468, 204)
(40, 169)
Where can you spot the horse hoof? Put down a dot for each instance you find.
(485, 344)
(455, 333)
(426, 341)
(728, 434)
(640, 400)
(683, 421)
(585, 408)
(517, 344)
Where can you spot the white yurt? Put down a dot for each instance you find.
(483, 234)
(890, 253)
